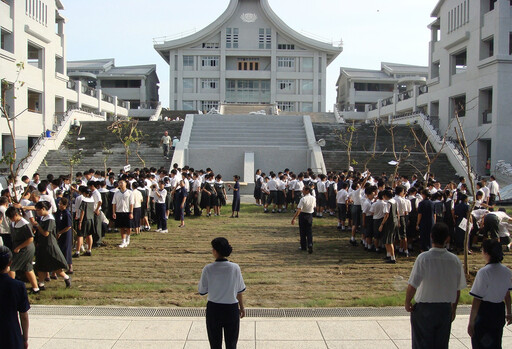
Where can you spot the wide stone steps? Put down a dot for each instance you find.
(99, 145)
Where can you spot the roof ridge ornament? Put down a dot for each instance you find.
(249, 17)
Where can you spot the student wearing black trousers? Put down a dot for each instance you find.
(224, 284)
(305, 210)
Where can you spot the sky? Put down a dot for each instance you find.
(372, 31)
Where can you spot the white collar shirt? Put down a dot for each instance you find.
(437, 275)
(307, 204)
(492, 283)
(222, 281)
(123, 201)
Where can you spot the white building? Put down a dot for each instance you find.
(359, 88)
(470, 70)
(135, 84)
(248, 55)
(32, 33)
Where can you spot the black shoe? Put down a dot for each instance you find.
(76, 255)
(302, 248)
(391, 261)
(53, 277)
(310, 249)
(87, 254)
(42, 288)
(69, 272)
(387, 258)
(353, 242)
(34, 292)
(47, 279)
(339, 227)
(67, 282)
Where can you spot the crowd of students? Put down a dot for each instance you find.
(387, 214)
(390, 214)
(47, 212)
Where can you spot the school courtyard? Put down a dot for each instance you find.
(98, 328)
(145, 296)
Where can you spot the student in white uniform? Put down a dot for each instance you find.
(224, 284)
(122, 212)
(491, 307)
(305, 210)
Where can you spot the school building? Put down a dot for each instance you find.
(469, 72)
(38, 93)
(248, 56)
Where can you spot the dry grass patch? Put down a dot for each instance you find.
(162, 270)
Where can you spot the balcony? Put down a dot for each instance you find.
(89, 91)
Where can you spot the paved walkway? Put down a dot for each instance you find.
(256, 333)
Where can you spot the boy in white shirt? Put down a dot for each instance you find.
(403, 212)
(341, 202)
(367, 221)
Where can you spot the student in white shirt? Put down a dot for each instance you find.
(491, 307)
(305, 210)
(494, 191)
(122, 211)
(435, 283)
(341, 202)
(222, 281)
(367, 221)
(403, 212)
(160, 195)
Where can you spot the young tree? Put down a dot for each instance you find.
(127, 132)
(428, 151)
(347, 140)
(11, 157)
(399, 157)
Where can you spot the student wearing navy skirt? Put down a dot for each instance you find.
(491, 307)
(235, 207)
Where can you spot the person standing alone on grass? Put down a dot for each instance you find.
(165, 142)
(305, 210)
(435, 283)
(224, 284)
(13, 301)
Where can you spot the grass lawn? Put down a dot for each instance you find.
(162, 270)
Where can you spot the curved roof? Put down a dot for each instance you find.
(281, 26)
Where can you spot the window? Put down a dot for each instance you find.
(188, 105)
(188, 85)
(307, 86)
(286, 62)
(492, 4)
(307, 64)
(59, 65)
(209, 84)
(458, 106)
(485, 105)
(121, 83)
(37, 10)
(188, 61)
(435, 70)
(286, 106)
(307, 107)
(320, 87)
(232, 37)
(248, 64)
(208, 105)
(35, 55)
(510, 43)
(210, 61)
(459, 62)
(265, 38)
(286, 85)
(211, 45)
(7, 41)
(286, 47)
(34, 102)
(487, 48)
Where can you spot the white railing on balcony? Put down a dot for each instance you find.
(338, 116)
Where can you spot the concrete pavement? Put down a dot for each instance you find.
(60, 331)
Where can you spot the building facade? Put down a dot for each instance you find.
(33, 66)
(470, 72)
(249, 56)
(137, 85)
(359, 88)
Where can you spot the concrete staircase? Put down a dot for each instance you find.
(102, 149)
(246, 130)
(336, 158)
(222, 142)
